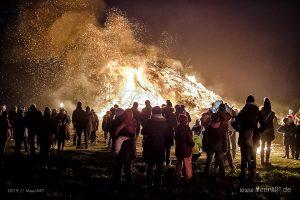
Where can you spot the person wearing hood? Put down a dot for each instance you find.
(79, 120)
(246, 123)
(155, 139)
(268, 135)
(124, 147)
(184, 145)
(4, 131)
(169, 115)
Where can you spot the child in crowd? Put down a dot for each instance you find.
(184, 145)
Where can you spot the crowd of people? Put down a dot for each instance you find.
(47, 130)
(161, 127)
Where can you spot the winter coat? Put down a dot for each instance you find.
(33, 120)
(246, 121)
(46, 130)
(214, 140)
(63, 122)
(198, 144)
(297, 138)
(269, 133)
(288, 130)
(90, 122)
(106, 122)
(224, 119)
(4, 127)
(127, 151)
(20, 126)
(79, 119)
(168, 113)
(145, 114)
(184, 141)
(137, 117)
(155, 138)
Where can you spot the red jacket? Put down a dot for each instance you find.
(184, 141)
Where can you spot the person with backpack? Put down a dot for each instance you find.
(268, 135)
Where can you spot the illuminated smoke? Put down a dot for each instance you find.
(79, 59)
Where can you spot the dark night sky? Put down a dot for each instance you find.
(238, 47)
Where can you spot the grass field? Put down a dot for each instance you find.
(86, 174)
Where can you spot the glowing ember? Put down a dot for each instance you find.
(99, 64)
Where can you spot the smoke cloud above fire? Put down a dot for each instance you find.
(70, 55)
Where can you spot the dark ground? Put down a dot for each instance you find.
(86, 174)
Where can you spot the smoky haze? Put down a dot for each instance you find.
(238, 47)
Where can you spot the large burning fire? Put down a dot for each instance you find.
(71, 56)
(155, 82)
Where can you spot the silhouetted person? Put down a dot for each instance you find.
(137, 117)
(4, 131)
(225, 117)
(183, 151)
(117, 121)
(155, 138)
(63, 122)
(12, 117)
(33, 121)
(19, 131)
(246, 124)
(146, 112)
(178, 111)
(186, 113)
(214, 142)
(268, 135)
(288, 130)
(93, 136)
(54, 136)
(297, 141)
(91, 121)
(47, 128)
(106, 124)
(124, 147)
(168, 113)
(79, 119)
